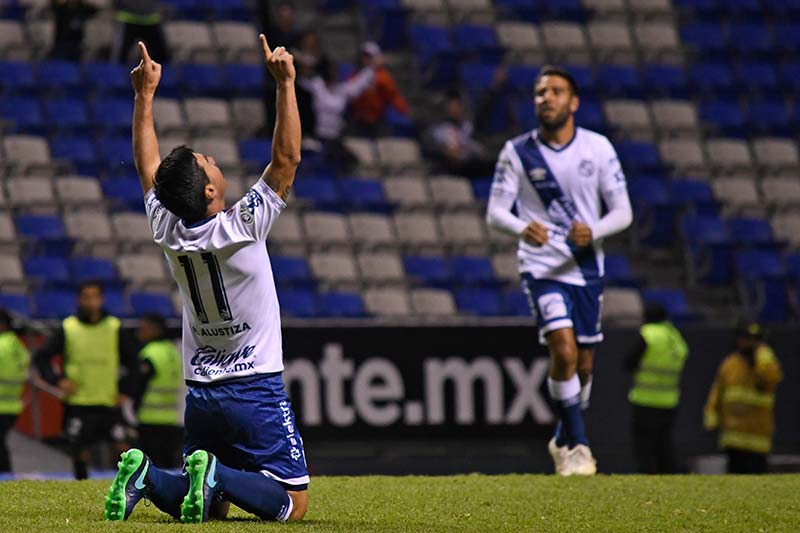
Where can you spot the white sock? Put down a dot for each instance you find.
(564, 390)
(586, 392)
(285, 516)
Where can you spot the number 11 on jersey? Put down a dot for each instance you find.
(217, 286)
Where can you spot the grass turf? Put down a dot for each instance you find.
(457, 503)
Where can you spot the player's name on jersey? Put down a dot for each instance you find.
(224, 331)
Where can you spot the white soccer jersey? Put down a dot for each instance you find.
(231, 318)
(556, 186)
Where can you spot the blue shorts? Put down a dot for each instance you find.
(556, 305)
(249, 425)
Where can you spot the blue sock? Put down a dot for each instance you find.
(566, 396)
(255, 493)
(560, 435)
(167, 490)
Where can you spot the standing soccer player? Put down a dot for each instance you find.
(559, 176)
(241, 442)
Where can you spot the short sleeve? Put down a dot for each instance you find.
(506, 176)
(157, 214)
(258, 210)
(612, 178)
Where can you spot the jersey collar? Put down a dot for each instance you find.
(536, 137)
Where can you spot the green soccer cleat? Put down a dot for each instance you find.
(201, 467)
(129, 485)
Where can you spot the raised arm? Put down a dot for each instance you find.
(286, 139)
(145, 78)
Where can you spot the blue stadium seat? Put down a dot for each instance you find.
(724, 116)
(515, 303)
(60, 77)
(477, 41)
(301, 303)
(16, 303)
(751, 231)
(710, 80)
(321, 192)
(202, 80)
(792, 262)
(426, 270)
(525, 113)
(477, 77)
(523, 10)
(618, 272)
(787, 36)
(562, 10)
(47, 270)
(291, 271)
(238, 10)
(585, 78)
(790, 77)
(664, 81)
(706, 39)
(91, 268)
(481, 188)
(639, 157)
(112, 114)
(245, 80)
(673, 300)
(124, 192)
(114, 303)
(653, 212)
(437, 56)
(521, 78)
(590, 115)
(108, 79)
(762, 278)
(187, 9)
(256, 153)
(709, 248)
(783, 9)
(741, 8)
(362, 194)
(750, 38)
(472, 271)
(618, 81)
(68, 115)
(695, 195)
(17, 77)
(79, 151)
(116, 153)
(55, 303)
(757, 77)
(168, 87)
(705, 229)
(479, 301)
(151, 302)
(388, 21)
(41, 226)
(770, 117)
(25, 114)
(400, 125)
(342, 304)
(697, 7)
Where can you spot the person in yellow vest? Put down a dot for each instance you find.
(14, 360)
(89, 378)
(161, 374)
(740, 404)
(657, 359)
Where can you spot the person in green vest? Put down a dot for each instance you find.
(14, 360)
(657, 359)
(91, 377)
(161, 375)
(139, 20)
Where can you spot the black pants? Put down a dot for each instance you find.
(652, 439)
(742, 462)
(6, 423)
(162, 443)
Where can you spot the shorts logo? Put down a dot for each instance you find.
(552, 306)
(288, 426)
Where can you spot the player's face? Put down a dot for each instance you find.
(215, 177)
(90, 300)
(555, 102)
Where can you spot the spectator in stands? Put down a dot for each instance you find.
(741, 401)
(91, 376)
(368, 110)
(140, 21)
(330, 98)
(452, 141)
(657, 359)
(14, 360)
(70, 17)
(161, 378)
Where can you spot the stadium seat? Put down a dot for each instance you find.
(372, 230)
(674, 301)
(298, 303)
(416, 229)
(435, 52)
(387, 301)
(723, 116)
(622, 306)
(729, 155)
(26, 152)
(618, 81)
(190, 42)
(396, 153)
(116, 153)
(17, 77)
(566, 42)
(708, 248)
(590, 115)
(611, 41)
(245, 80)
(168, 116)
(362, 194)
(756, 77)
(787, 35)
(711, 80)
(108, 79)
(151, 302)
(787, 228)
(291, 271)
(30, 191)
(763, 284)
(472, 271)
(658, 41)
(11, 273)
(428, 270)
(462, 230)
(618, 272)
(222, 148)
(770, 117)
(628, 118)
(694, 195)
(80, 152)
(54, 304)
(112, 115)
(684, 155)
(131, 228)
(47, 270)
(89, 268)
(207, 115)
(248, 117)
(639, 157)
(381, 268)
(675, 116)
(504, 266)
(341, 304)
(705, 39)
(515, 303)
(737, 193)
(40, 227)
(142, 269)
(60, 77)
(24, 114)
(235, 41)
(664, 81)
(124, 193)
(750, 38)
(202, 80)
(320, 193)
(16, 303)
(781, 192)
(451, 191)
(477, 41)
(432, 302)
(523, 39)
(256, 153)
(751, 231)
(89, 226)
(480, 302)
(334, 267)
(79, 191)
(326, 229)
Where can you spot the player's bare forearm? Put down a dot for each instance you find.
(145, 143)
(286, 140)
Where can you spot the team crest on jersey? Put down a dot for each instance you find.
(244, 213)
(537, 174)
(586, 168)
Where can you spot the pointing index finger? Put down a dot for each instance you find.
(265, 45)
(143, 51)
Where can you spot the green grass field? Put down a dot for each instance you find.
(457, 503)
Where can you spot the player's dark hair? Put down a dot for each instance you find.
(5, 319)
(180, 185)
(553, 70)
(158, 321)
(90, 283)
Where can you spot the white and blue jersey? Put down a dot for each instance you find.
(556, 186)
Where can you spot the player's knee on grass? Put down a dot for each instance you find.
(300, 501)
(219, 510)
(563, 353)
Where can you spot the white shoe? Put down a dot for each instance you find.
(559, 455)
(580, 462)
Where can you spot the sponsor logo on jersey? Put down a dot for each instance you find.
(253, 200)
(245, 213)
(225, 331)
(211, 362)
(537, 174)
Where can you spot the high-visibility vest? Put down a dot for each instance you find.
(160, 401)
(91, 360)
(742, 399)
(657, 382)
(14, 360)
